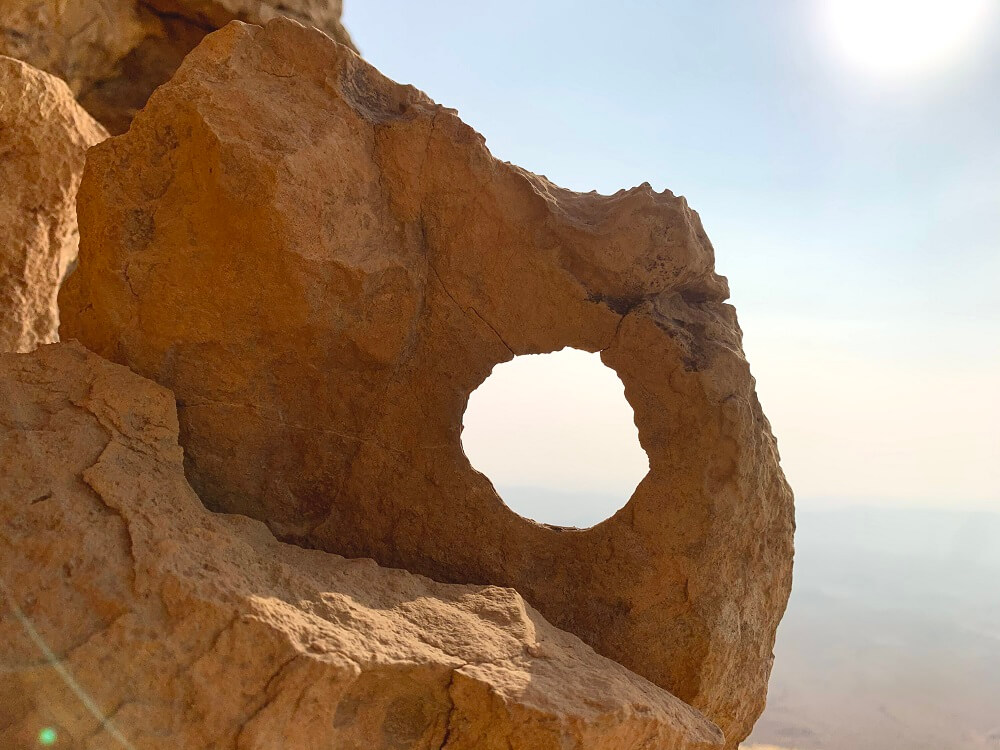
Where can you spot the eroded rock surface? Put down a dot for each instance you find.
(114, 53)
(43, 136)
(323, 265)
(175, 628)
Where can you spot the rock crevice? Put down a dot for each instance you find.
(114, 53)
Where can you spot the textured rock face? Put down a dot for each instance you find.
(186, 629)
(43, 136)
(323, 265)
(114, 53)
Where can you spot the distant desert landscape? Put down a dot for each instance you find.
(891, 640)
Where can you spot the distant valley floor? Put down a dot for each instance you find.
(892, 636)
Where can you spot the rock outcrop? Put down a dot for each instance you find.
(43, 136)
(323, 265)
(132, 617)
(113, 53)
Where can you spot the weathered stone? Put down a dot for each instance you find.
(43, 136)
(323, 265)
(173, 627)
(114, 53)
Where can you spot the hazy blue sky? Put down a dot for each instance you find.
(853, 203)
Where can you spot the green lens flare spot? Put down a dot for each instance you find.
(47, 737)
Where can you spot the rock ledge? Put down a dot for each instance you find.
(175, 628)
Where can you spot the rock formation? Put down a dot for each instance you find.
(323, 265)
(114, 53)
(43, 136)
(132, 617)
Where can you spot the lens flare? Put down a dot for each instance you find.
(900, 37)
(47, 737)
(56, 663)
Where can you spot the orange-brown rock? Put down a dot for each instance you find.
(323, 265)
(114, 53)
(131, 617)
(43, 136)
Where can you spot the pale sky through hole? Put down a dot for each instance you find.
(556, 436)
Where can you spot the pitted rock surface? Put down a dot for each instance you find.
(131, 617)
(323, 264)
(113, 53)
(44, 134)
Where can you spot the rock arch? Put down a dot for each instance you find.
(323, 265)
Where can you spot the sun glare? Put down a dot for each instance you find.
(900, 37)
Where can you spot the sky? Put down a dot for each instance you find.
(846, 164)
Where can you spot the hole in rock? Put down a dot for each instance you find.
(557, 438)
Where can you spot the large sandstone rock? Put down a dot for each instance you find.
(43, 136)
(323, 265)
(131, 617)
(114, 53)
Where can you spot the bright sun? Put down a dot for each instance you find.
(898, 37)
